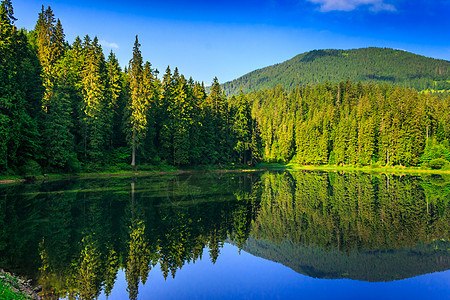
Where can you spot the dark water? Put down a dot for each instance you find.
(285, 235)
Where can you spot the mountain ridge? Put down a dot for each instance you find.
(370, 64)
(364, 265)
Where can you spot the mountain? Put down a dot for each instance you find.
(372, 266)
(365, 64)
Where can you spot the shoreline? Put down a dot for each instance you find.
(18, 287)
(125, 174)
(261, 167)
(383, 170)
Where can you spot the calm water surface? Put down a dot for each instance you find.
(270, 235)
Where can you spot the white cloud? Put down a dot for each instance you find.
(109, 45)
(349, 5)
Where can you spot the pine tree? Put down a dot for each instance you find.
(113, 92)
(50, 37)
(151, 94)
(242, 128)
(181, 114)
(95, 118)
(165, 117)
(220, 140)
(197, 131)
(138, 106)
(59, 140)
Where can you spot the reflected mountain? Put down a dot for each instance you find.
(385, 265)
(74, 236)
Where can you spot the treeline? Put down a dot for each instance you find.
(66, 107)
(381, 65)
(353, 123)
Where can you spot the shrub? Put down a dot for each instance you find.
(434, 151)
(30, 170)
(437, 163)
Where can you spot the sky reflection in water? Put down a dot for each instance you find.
(245, 276)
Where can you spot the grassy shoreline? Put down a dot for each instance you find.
(366, 169)
(13, 287)
(229, 168)
(10, 179)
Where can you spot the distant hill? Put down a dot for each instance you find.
(365, 64)
(372, 266)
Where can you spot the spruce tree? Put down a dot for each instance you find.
(95, 118)
(113, 113)
(138, 105)
(50, 37)
(242, 128)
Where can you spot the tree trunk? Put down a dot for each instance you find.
(133, 206)
(133, 152)
(85, 143)
(387, 156)
(245, 157)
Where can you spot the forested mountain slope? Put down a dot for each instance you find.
(366, 65)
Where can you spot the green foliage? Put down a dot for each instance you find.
(19, 91)
(435, 151)
(438, 163)
(30, 169)
(88, 276)
(349, 124)
(366, 65)
(242, 127)
(95, 109)
(351, 211)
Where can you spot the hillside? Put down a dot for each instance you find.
(372, 266)
(365, 64)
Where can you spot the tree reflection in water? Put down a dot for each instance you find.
(74, 236)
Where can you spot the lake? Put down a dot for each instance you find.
(240, 235)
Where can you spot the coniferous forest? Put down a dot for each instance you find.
(67, 107)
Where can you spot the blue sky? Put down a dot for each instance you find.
(231, 38)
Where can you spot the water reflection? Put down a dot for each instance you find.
(74, 236)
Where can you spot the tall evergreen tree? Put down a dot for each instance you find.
(95, 118)
(114, 101)
(138, 106)
(50, 38)
(242, 128)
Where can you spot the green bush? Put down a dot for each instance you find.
(30, 169)
(437, 163)
(434, 150)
